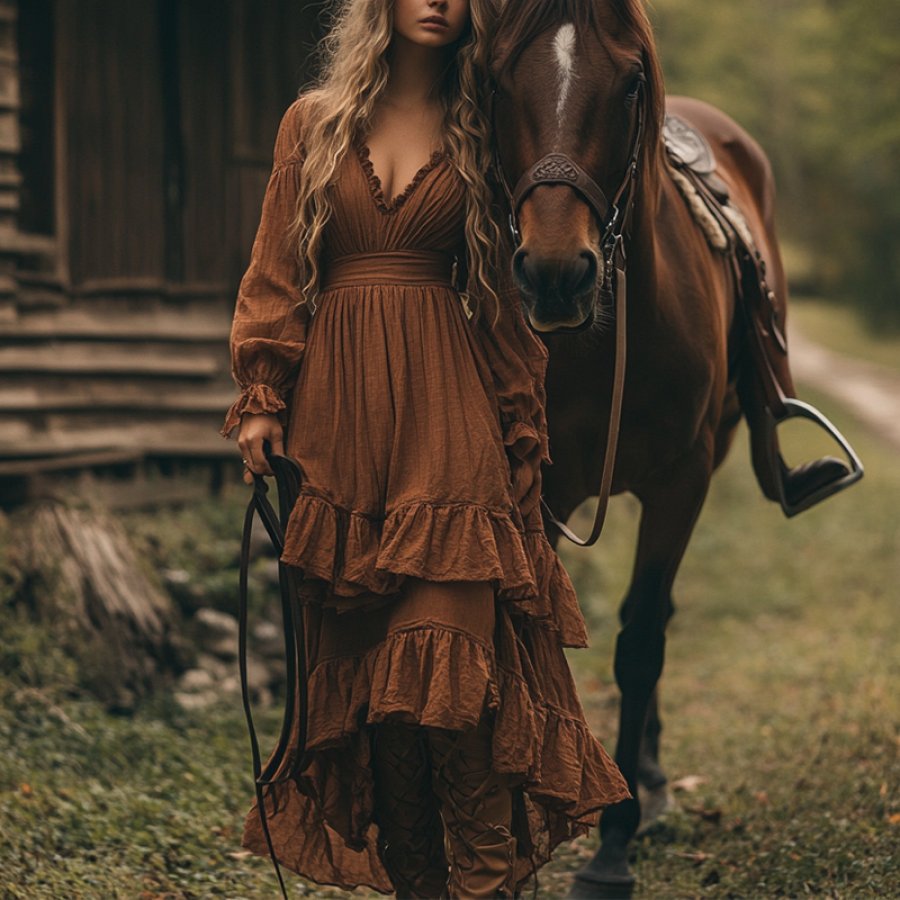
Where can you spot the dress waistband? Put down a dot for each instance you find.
(390, 267)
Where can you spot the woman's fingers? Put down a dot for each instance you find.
(277, 442)
(256, 428)
(258, 455)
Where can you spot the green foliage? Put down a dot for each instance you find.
(202, 540)
(817, 82)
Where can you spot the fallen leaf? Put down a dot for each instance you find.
(708, 815)
(762, 798)
(26, 789)
(697, 858)
(240, 854)
(689, 783)
(894, 819)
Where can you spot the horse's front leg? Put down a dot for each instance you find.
(670, 509)
(655, 797)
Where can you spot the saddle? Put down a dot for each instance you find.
(688, 147)
(693, 168)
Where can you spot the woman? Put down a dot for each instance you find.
(448, 749)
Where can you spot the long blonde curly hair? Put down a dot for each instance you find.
(353, 74)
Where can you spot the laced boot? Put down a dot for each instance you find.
(411, 834)
(476, 805)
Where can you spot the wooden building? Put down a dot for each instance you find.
(136, 140)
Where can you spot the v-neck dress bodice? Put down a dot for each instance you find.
(427, 214)
(433, 590)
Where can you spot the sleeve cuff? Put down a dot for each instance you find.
(524, 440)
(255, 398)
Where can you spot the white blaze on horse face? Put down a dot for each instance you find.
(564, 48)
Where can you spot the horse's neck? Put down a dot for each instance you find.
(642, 254)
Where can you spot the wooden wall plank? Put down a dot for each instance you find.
(203, 75)
(89, 358)
(115, 139)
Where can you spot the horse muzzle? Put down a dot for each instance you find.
(559, 294)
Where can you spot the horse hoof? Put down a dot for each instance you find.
(656, 803)
(602, 883)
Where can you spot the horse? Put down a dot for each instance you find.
(578, 87)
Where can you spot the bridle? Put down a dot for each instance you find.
(560, 168)
(613, 217)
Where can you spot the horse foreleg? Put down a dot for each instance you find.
(653, 783)
(670, 510)
(650, 774)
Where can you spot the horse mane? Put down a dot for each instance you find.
(519, 22)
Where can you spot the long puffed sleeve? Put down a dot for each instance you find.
(518, 361)
(268, 332)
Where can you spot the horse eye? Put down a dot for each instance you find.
(637, 86)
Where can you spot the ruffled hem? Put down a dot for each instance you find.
(256, 398)
(452, 674)
(540, 740)
(555, 606)
(540, 743)
(360, 553)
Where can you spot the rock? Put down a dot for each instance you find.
(269, 572)
(211, 624)
(226, 675)
(194, 702)
(215, 666)
(259, 674)
(195, 681)
(187, 595)
(224, 648)
(268, 639)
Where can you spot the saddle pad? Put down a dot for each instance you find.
(687, 146)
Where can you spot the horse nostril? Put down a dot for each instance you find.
(585, 283)
(519, 268)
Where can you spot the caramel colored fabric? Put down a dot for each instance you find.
(434, 592)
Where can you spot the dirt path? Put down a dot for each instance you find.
(870, 390)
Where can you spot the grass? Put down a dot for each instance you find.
(779, 695)
(780, 689)
(840, 327)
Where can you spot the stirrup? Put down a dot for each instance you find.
(797, 409)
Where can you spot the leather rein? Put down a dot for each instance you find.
(560, 168)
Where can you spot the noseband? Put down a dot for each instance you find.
(560, 168)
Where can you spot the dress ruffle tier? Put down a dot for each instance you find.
(360, 554)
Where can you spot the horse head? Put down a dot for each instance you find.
(577, 111)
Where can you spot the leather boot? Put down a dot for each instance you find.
(476, 805)
(411, 833)
(768, 398)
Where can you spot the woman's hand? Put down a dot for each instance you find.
(256, 428)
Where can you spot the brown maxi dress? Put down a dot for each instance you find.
(420, 431)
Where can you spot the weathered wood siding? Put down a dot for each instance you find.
(118, 274)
